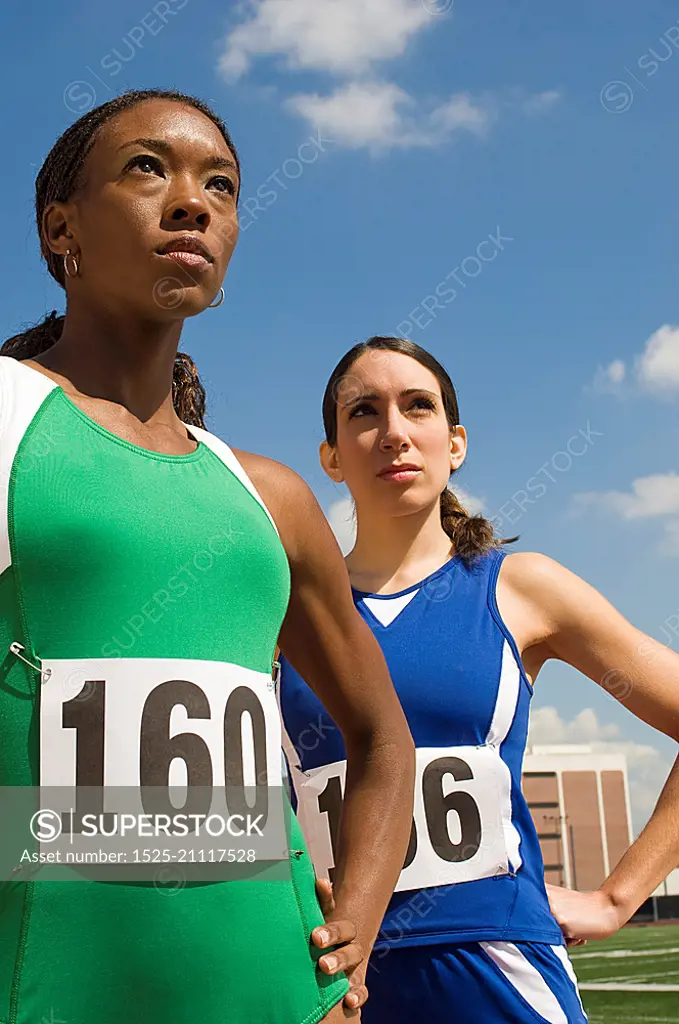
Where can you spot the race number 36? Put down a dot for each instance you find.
(462, 799)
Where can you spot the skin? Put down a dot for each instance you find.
(125, 311)
(551, 612)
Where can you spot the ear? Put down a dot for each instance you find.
(58, 228)
(330, 462)
(458, 448)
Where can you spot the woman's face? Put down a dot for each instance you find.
(395, 450)
(158, 175)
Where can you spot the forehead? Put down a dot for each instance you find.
(389, 373)
(183, 127)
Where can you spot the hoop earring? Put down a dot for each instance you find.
(69, 255)
(213, 305)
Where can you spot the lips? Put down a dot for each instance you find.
(187, 249)
(399, 472)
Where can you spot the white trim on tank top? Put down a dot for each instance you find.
(506, 704)
(386, 607)
(22, 391)
(224, 454)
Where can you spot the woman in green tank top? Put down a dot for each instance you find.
(147, 573)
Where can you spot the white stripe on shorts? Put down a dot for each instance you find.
(526, 979)
(563, 956)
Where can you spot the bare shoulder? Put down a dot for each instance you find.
(276, 482)
(527, 572)
(523, 580)
(551, 593)
(289, 499)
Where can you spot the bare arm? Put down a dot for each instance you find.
(563, 617)
(327, 642)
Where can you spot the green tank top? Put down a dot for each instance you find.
(121, 563)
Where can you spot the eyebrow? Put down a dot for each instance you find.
(372, 397)
(161, 146)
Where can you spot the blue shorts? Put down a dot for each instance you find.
(473, 982)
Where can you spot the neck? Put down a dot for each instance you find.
(392, 553)
(117, 358)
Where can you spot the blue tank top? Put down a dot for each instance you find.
(474, 870)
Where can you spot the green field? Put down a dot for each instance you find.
(635, 956)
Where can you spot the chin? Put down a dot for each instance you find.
(408, 503)
(173, 297)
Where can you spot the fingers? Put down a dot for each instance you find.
(340, 1012)
(356, 997)
(325, 895)
(346, 958)
(333, 933)
(346, 955)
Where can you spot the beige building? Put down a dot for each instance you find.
(579, 801)
(580, 804)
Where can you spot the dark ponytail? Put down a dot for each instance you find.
(58, 179)
(188, 394)
(471, 535)
(36, 339)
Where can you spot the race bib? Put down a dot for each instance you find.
(195, 734)
(462, 806)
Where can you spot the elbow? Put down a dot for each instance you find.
(389, 743)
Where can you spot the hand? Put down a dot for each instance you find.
(349, 957)
(584, 915)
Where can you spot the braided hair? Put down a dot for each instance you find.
(471, 535)
(58, 179)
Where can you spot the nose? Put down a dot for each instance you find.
(395, 436)
(186, 208)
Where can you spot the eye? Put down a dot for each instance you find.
(362, 409)
(145, 163)
(222, 184)
(423, 403)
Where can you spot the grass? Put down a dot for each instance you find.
(648, 955)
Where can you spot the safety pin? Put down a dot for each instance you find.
(16, 648)
(276, 666)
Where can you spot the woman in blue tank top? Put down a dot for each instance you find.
(471, 933)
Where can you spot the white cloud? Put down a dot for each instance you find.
(547, 726)
(381, 115)
(658, 366)
(348, 38)
(341, 518)
(655, 496)
(647, 767)
(616, 371)
(458, 113)
(541, 101)
(469, 501)
(358, 114)
(340, 36)
(655, 370)
(608, 379)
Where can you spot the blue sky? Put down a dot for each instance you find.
(382, 142)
